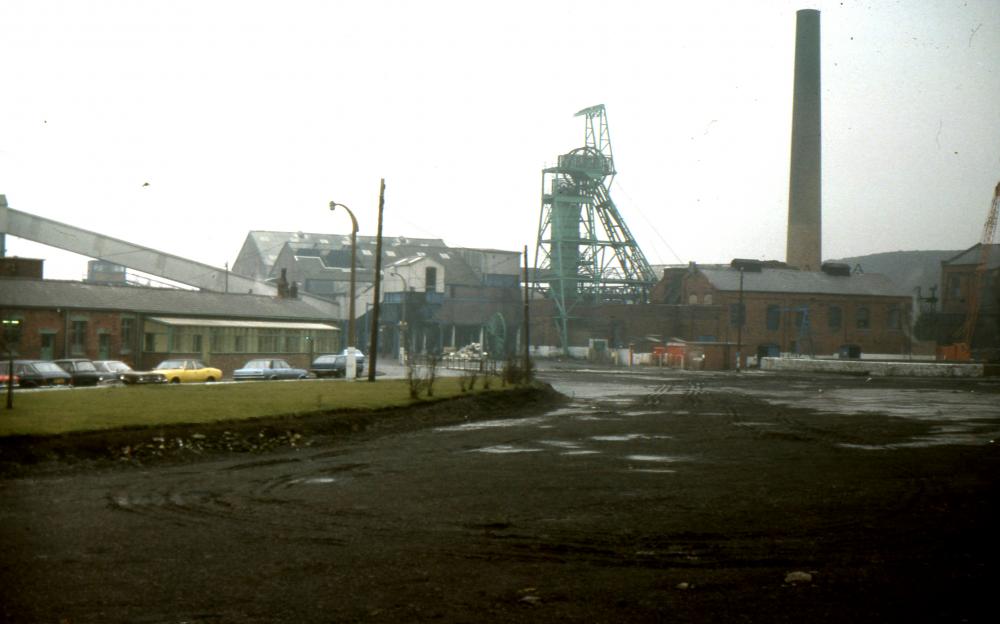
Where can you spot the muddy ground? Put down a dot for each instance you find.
(644, 497)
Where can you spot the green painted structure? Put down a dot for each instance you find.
(585, 253)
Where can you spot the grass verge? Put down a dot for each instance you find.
(68, 411)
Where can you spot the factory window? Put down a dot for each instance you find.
(239, 340)
(78, 337)
(834, 317)
(801, 317)
(325, 342)
(150, 342)
(196, 343)
(862, 318)
(430, 279)
(954, 287)
(692, 299)
(268, 340)
(216, 339)
(708, 299)
(128, 334)
(773, 317)
(893, 321)
(737, 314)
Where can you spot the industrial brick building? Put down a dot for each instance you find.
(143, 326)
(958, 274)
(786, 310)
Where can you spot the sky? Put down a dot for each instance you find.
(182, 125)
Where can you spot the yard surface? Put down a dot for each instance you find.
(646, 496)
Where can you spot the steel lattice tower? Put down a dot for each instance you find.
(585, 253)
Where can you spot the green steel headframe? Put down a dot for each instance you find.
(585, 253)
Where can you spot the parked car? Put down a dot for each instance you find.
(36, 373)
(5, 374)
(84, 373)
(269, 369)
(335, 364)
(128, 376)
(177, 371)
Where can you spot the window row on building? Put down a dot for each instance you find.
(799, 316)
(219, 337)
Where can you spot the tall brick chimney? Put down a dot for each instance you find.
(804, 250)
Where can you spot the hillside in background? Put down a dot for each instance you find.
(907, 269)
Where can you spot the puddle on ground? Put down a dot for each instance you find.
(903, 403)
(628, 437)
(581, 452)
(654, 470)
(315, 480)
(960, 439)
(560, 444)
(570, 411)
(595, 417)
(505, 449)
(493, 424)
(654, 458)
(601, 391)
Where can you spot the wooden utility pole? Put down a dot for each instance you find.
(373, 345)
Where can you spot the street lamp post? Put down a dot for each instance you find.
(11, 335)
(351, 338)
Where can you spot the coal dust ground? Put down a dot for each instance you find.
(643, 496)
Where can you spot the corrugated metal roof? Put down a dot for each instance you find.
(802, 282)
(972, 254)
(30, 293)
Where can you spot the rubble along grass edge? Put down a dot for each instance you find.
(68, 411)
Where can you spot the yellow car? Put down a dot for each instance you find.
(177, 371)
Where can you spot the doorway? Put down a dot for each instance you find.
(47, 351)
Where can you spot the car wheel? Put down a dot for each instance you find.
(175, 380)
(209, 379)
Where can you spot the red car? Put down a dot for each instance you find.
(5, 374)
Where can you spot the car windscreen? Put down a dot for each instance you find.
(170, 364)
(47, 367)
(86, 367)
(117, 367)
(258, 364)
(325, 359)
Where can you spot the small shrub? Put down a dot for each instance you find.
(515, 374)
(432, 362)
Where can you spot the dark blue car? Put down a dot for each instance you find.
(36, 373)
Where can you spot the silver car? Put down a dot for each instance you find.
(268, 369)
